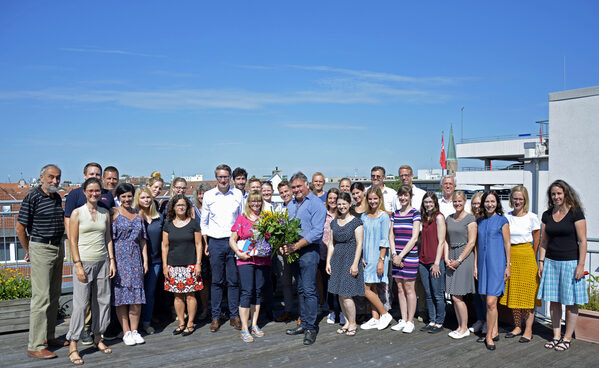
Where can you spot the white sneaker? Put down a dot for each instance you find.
(484, 330)
(128, 339)
(370, 324)
(341, 318)
(384, 321)
(409, 327)
(401, 324)
(456, 335)
(331, 318)
(477, 326)
(137, 337)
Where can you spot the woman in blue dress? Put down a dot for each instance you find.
(492, 267)
(131, 256)
(375, 253)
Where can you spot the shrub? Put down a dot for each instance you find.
(13, 285)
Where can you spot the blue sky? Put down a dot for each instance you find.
(332, 86)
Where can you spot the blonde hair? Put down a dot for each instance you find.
(253, 196)
(524, 191)
(153, 212)
(379, 193)
(474, 196)
(458, 193)
(175, 181)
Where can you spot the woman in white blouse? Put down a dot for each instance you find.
(521, 288)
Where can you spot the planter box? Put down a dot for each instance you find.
(587, 326)
(14, 315)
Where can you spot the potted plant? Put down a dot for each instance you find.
(15, 294)
(587, 326)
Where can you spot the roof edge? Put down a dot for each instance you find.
(574, 93)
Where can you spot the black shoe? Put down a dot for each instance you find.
(295, 331)
(86, 338)
(309, 337)
(490, 347)
(427, 328)
(483, 338)
(524, 339)
(435, 330)
(510, 335)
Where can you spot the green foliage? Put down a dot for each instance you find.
(394, 185)
(13, 285)
(278, 230)
(593, 290)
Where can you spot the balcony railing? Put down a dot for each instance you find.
(510, 137)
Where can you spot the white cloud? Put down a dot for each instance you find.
(198, 99)
(386, 77)
(108, 51)
(316, 126)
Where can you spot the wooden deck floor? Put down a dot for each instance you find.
(367, 349)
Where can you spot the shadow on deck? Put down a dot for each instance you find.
(370, 348)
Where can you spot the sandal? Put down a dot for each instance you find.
(75, 361)
(342, 331)
(188, 331)
(256, 331)
(562, 345)
(351, 332)
(179, 330)
(246, 337)
(551, 344)
(105, 350)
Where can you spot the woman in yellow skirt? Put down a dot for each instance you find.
(521, 288)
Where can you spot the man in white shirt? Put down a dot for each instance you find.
(240, 178)
(447, 189)
(406, 175)
(220, 209)
(377, 175)
(448, 185)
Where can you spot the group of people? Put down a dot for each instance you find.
(354, 240)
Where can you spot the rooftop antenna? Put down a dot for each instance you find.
(462, 110)
(564, 71)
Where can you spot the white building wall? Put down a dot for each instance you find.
(574, 150)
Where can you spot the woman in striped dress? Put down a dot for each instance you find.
(403, 236)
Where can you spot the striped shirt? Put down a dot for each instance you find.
(42, 214)
(402, 229)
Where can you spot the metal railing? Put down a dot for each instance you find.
(510, 137)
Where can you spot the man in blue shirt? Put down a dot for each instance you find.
(312, 213)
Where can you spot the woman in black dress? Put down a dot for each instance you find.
(344, 262)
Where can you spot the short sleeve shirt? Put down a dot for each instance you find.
(76, 198)
(521, 227)
(243, 228)
(42, 214)
(181, 243)
(563, 240)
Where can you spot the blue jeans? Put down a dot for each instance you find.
(150, 280)
(434, 287)
(304, 270)
(224, 268)
(332, 300)
(252, 280)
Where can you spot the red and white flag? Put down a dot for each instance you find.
(442, 160)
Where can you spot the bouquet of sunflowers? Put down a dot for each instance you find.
(277, 229)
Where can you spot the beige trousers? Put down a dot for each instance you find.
(46, 283)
